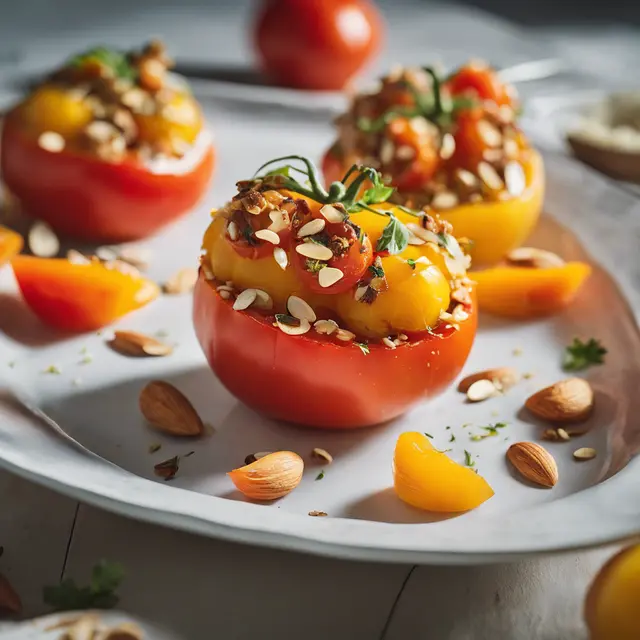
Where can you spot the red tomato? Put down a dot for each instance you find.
(469, 142)
(312, 380)
(353, 263)
(82, 196)
(481, 81)
(316, 44)
(256, 248)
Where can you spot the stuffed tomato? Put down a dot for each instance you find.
(331, 308)
(109, 148)
(450, 146)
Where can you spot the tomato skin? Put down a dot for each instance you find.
(316, 44)
(310, 380)
(84, 197)
(353, 264)
(469, 143)
(481, 81)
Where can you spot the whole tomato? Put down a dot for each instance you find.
(316, 44)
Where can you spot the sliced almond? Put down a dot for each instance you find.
(533, 258)
(169, 410)
(323, 455)
(563, 435)
(502, 377)
(481, 390)
(183, 281)
(9, 599)
(388, 342)
(232, 230)
(490, 135)
(328, 276)
(279, 220)
(75, 257)
(490, 176)
(318, 514)
(42, 240)
(132, 343)
(515, 179)
(311, 228)
(405, 152)
(263, 300)
(326, 327)
(280, 256)
(245, 299)
(332, 214)
(138, 257)
(345, 336)
(534, 462)
(550, 434)
(447, 146)
(444, 200)
(300, 309)
(292, 326)
(569, 400)
(387, 151)
(314, 251)
(268, 236)
(422, 233)
(51, 141)
(585, 453)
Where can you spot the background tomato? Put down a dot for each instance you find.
(316, 44)
(481, 81)
(314, 381)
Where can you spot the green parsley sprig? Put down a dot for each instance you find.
(582, 355)
(395, 235)
(100, 594)
(116, 61)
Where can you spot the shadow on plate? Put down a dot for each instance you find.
(385, 506)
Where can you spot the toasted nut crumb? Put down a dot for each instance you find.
(585, 453)
(317, 514)
(322, 454)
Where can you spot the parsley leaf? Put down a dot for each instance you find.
(320, 476)
(280, 171)
(377, 194)
(428, 435)
(378, 272)
(364, 347)
(468, 459)
(394, 238)
(581, 355)
(491, 430)
(100, 594)
(452, 438)
(116, 61)
(411, 262)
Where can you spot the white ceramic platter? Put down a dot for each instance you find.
(99, 453)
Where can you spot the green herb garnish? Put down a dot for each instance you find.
(468, 459)
(52, 368)
(154, 447)
(377, 271)
(313, 266)
(284, 318)
(116, 61)
(100, 594)
(581, 355)
(411, 262)
(394, 238)
(491, 430)
(452, 438)
(364, 347)
(428, 435)
(320, 476)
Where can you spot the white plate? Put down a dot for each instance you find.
(104, 458)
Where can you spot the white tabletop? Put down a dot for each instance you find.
(198, 588)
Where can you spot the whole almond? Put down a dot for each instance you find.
(534, 462)
(502, 378)
(569, 400)
(132, 343)
(9, 599)
(270, 477)
(168, 410)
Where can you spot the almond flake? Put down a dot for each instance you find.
(345, 336)
(328, 276)
(225, 294)
(422, 233)
(132, 343)
(232, 230)
(314, 251)
(444, 200)
(42, 240)
(515, 179)
(563, 435)
(318, 514)
(75, 257)
(311, 228)
(332, 214)
(245, 299)
(585, 453)
(490, 176)
(135, 256)
(280, 256)
(300, 309)
(183, 281)
(388, 342)
(263, 300)
(481, 390)
(467, 178)
(387, 151)
(489, 134)
(447, 146)
(360, 293)
(322, 454)
(279, 220)
(293, 330)
(326, 327)
(405, 152)
(268, 236)
(51, 141)
(531, 257)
